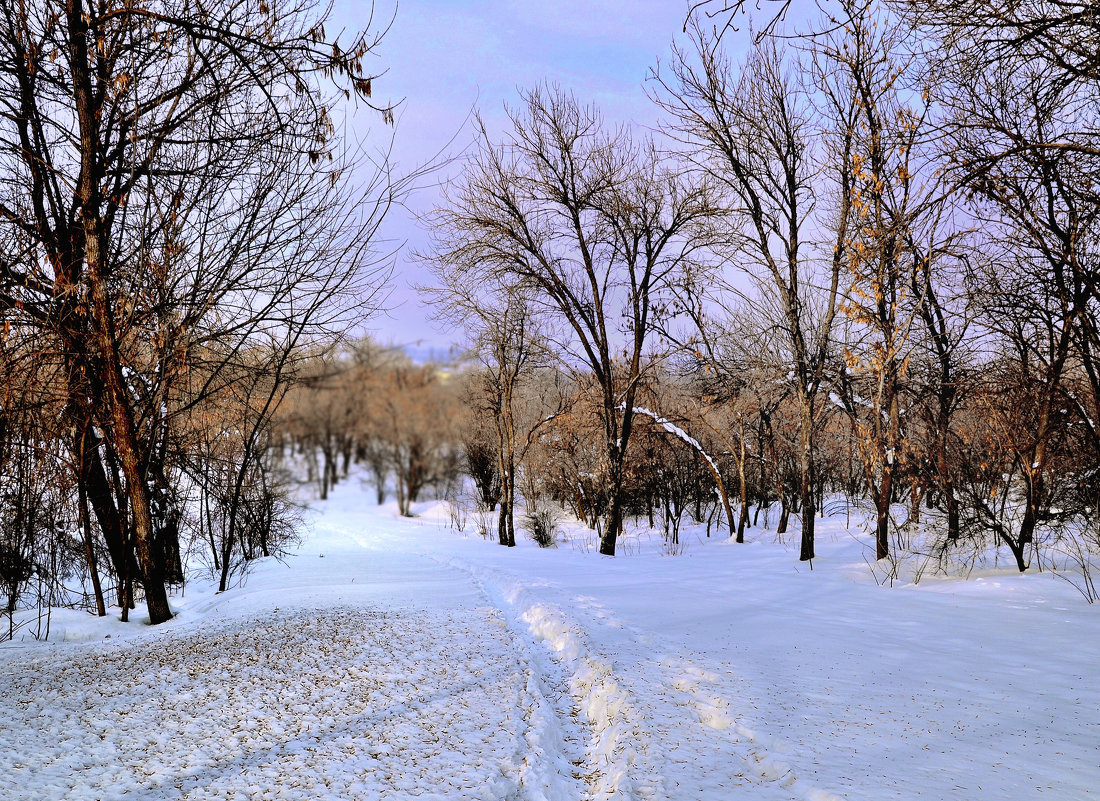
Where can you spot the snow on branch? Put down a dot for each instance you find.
(675, 430)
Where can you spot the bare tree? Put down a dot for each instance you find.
(411, 416)
(894, 190)
(1065, 34)
(162, 165)
(503, 330)
(1019, 83)
(593, 228)
(751, 132)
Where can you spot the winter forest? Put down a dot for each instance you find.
(845, 291)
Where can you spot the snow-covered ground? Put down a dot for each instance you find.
(398, 659)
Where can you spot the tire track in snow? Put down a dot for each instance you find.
(639, 719)
(762, 756)
(619, 755)
(550, 747)
(711, 735)
(667, 683)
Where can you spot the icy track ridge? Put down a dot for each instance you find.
(617, 758)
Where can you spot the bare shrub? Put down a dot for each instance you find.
(542, 525)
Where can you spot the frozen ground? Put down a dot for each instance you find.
(398, 659)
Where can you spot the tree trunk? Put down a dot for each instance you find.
(613, 524)
(118, 416)
(916, 495)
(97, 490)
(378, 470)
(505, 522)
(784, 515)
(119, 421)
(614, 520)
(744, 490)
(616, 443)
(506, 430)
(1034, 489)
(89, 548)
(580, 508)
(806, 485)
(882, 515)
(349, 444)
(952, 503)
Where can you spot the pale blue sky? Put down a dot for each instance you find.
(447, 57)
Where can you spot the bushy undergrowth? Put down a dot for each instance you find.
(542, 525)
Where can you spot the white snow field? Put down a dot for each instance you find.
(398, 659)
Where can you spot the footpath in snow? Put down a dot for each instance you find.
(398, 659)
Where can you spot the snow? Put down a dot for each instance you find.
(676, 431)
(398, 659)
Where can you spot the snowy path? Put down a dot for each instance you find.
(310, 684)
(817, 688)
(394, 659)
(660, 726)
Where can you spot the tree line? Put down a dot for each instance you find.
(864, 254)
(856, 263)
